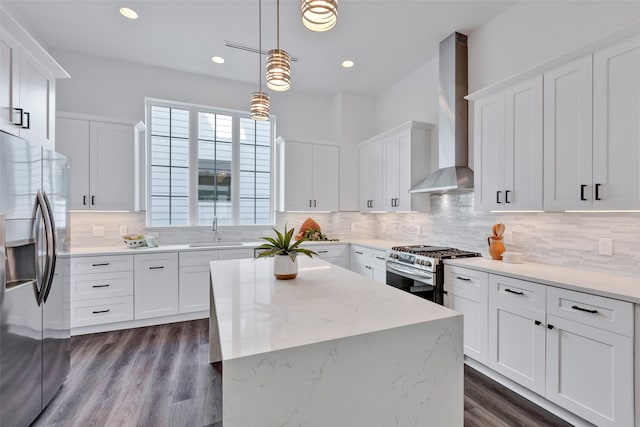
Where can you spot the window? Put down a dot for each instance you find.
(206, 162)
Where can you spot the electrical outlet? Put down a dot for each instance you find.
(418, 229)
(353, 227)
(123, 230)
(605, 246)
(508, 237)
(98, 231)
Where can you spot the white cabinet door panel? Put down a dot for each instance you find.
(72, 140)
(298, 175)
(235, 253)
(489, 152)
(37, 99)
(9, 86)
(326, 161)
(568, 136)
(616, 138)
(392, 171)
(156, 285)
(194, 288)
(589, 372)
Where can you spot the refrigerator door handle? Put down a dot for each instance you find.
(52, 248)
(40, 207)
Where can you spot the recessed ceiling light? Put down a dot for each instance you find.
(347, 64)
(217, 59)
(128, 13)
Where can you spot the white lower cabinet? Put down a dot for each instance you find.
(466, 291)
(194, 280)
(369, 262)
(335, 254)
(101, 290)
(575, 349)
(156, 285)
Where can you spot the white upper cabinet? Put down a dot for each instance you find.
(508, 137)
(309, 176)
(616, 126)
(390, 164)
(27, 85)
(102, 157)
(568, 136)
(371, 177)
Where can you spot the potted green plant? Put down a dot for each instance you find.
(285, 251)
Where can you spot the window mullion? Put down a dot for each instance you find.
(235, 170)
(193, 166)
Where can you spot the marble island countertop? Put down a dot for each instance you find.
(324, 302)
(331, 347)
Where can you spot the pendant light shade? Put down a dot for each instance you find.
(278, 63)
(260, 104)
(319, 15)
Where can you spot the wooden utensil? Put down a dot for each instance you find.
(495, 230)
(500, 230)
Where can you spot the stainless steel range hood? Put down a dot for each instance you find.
(454, 175)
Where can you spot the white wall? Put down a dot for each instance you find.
(117, 89)
(533, 32)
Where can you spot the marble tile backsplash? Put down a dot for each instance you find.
(569, 239)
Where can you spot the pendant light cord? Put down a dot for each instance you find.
(278, 24)
(260, 44)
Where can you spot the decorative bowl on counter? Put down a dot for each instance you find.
(134, 240)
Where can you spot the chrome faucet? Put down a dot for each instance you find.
(214, 228)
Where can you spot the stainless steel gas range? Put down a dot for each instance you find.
(419, 269)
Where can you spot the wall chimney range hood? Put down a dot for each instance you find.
(453, 174)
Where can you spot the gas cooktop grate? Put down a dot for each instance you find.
(436, 251)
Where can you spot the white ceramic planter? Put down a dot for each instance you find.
(284, 268)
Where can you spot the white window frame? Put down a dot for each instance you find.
(194, 109)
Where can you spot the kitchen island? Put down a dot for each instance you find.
(331, 347)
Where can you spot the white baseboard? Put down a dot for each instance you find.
(528, 394)
(139, 323)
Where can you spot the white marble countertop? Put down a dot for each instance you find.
(123, 250)
(608, 285)
(257, 313)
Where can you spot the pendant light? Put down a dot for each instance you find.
(319, 15)
(260, 100)
(278, 63)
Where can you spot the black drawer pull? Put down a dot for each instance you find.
(586, 310)
(101, 286)
(549, 326)
(27, 125)
(101, 264)
(84, 200)
(537, 322)
(598, 192)
(101, 311)
(514, 292)
(582, 187)
(506, 196)
(323, 252)
(380, 258)
(359, 253)
(21, 112)
(156, 268)
(498, 196)
(463, 278)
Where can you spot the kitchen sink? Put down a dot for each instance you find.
(211, 245)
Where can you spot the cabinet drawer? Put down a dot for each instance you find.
(378, 259)
(327, 252)
(101, 264)
(519, 292)
(466, 282)
(100, 311)
(359, 255)
(235, 253)
(600, 312)
(90, 286)
(197, 258)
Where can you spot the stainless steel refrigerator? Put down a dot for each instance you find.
(34, 279)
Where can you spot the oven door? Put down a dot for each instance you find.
(412, 280)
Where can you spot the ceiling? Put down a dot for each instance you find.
(386, 39)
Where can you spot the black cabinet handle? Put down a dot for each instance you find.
(463, 278)
(549, 326)
(156, 268)
(380, 258)
(93, 200)
(537, 323)
(506, 196)
(514, 292)
(101, 286)
(586, 310)
(359, 253)
(582, 187)
(28, 123)
(21, 112)
(598, 191)
(445, 292)
(498, 197)
(84, 200)
(101, 264)
(322, 252)
(315, 204)
(101, 311)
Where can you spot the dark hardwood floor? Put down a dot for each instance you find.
(160, 376)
